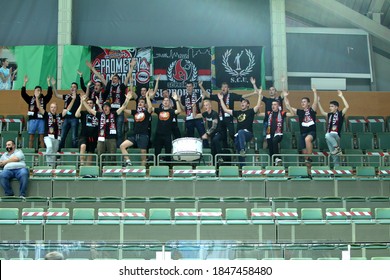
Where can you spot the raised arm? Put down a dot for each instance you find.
(124, 105)
(223, 105)
(322, 111)
(24, 94)
(204, 92)
(346, 105)
(292, 110)
(284, 89)
(315, 101)
(78, 112)
(53, 83)
(82, 83)
(153, 94)
(129, 77)
(89, 109)
(176, 98)
(97, 74)
(258, 104)
(150, 106)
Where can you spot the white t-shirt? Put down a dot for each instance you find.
(7, 84)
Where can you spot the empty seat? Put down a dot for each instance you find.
(376, 124)
(57, 216)
(229, 173)
(383, 140)
(182, 171)
(83, 216)
(186, 216)
(312, 216)
(382, 215)
(356, 124)
(236, 216)
(134, 216)
(365, 140)
(89, 171)
(287, 215)
(65, 171)
(31, 216)
(298, 172)
(160, 216)
(9, 216)
(109, 215)
(159, 172)
(211, 216)
(336, 216)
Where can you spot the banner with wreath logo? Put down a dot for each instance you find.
(236, 65)
(176, 66)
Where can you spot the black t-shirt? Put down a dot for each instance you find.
(52, 124)
(335, 122)
(245, 119)
(33, 111)
(307, 120)
(116, 95)
(67, 99)
(229, 100)
(268, 103)
(209, 117)
(141, 122)
(110, 131)
(165, 119)
(89, 125)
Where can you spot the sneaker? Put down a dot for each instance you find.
(128, 163)
(337, 151)
(278, 162)
(22, 197)
(220, 161)
(242, 153)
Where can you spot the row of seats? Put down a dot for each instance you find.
(192, 259)
(237, 216)
(210, 172)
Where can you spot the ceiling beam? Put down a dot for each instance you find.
(376, 6)
(355, 18)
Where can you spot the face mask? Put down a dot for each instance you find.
(9, 149)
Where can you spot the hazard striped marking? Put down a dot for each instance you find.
(274, 214)
(346, 213)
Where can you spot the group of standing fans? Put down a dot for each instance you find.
(101, 108)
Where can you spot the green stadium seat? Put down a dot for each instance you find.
(110, 216)
(356, 124)
(287, 216)
(134, 216)
(229, 173)
(366, 173)
(293, 124)
(65, 171)
(112, 171)
(211, 216)
(291, 157)
(89, 171)
(28, 218)
(383, 140)
(9, 135)
(29, 156)
(384, 173)
(328, 259)
(320, 142)
(43, 171)
(186, 216)
(321, 173)
(376, 124)
(17, 125)
(236, 216)
(83, 216)
(275, 173)
(159, 173)
(9, 216)
(160, 216)
(312, 216)
(335, 216)
(382, 215)
(61, 218)
(182, 172)
(287, 141)
(69, 156)
(252, 173)
(209, 173)
(321, 124)
(380, 258)
(346, 140)
(135, 173)
(353, 157)
(298, 173)
(365, 140)
(363, 215)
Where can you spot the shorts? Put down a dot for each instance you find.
(90, 142)
(140, 141)
(303, 136)
(36, 124)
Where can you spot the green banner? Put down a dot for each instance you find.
(73, 60)
(37, 62)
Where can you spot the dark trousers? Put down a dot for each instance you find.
(273, 144)
(226, 126)
(162, 140)
(69, 123)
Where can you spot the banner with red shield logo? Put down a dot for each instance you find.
(236, 65)
(117, 61)
(176, 66)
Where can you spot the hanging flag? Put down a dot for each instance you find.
(236, 65)
(117, 61)
(176, 66)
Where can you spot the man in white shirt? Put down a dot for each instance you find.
(14, 166)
